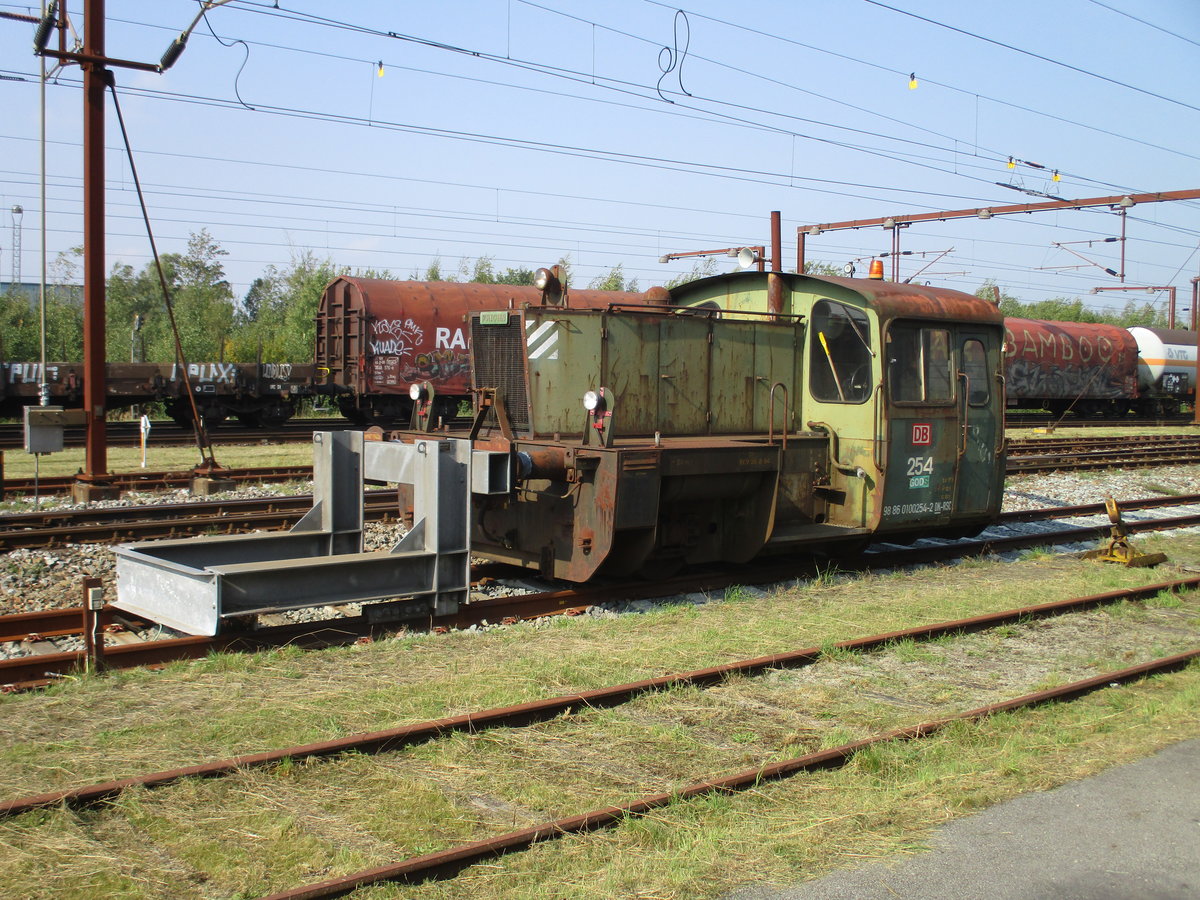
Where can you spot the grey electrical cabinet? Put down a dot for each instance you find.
(44, 427)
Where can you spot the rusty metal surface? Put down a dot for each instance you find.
(379, 336)
(94, 78)
(1009, 209)
(1069, 361)
(448, 862)
(541, 710)
(891, 299)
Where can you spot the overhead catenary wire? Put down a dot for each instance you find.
(857, 60)
(957, 152)
(620, 86)
(327, 21)
(1148, 24)
(853, 194)
(1030, 53)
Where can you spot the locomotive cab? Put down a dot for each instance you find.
(906, 384)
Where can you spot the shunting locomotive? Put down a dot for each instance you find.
(649, 438)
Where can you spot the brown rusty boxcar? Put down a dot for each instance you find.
(375, 338)
(1089, 368)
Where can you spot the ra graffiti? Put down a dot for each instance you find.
(395, 337)
(440, 364)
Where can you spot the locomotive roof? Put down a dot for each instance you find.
(888, 299)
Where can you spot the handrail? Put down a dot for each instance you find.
(879, 415)
(771, 413)
(1000, 438)
(963, 408)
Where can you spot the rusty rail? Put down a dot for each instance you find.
(446, 863)
(541, 710)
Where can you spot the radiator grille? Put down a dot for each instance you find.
(498, 353)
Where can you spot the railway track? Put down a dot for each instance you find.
(1025, 455)
(169, 520)
(39, 630)
(448, 862)
(166, 433)
(156, 481)
(1075, 454)
(1014, 421)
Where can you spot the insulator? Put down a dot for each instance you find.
(173, 52)
(41, 37)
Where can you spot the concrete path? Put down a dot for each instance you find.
(1131, 833)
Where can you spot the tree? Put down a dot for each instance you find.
(1073, 309)
(613, 281)
(21, 319)
(827, 269)
(701, 268)
(258, 296)
(285, 323)
(1146, 315)
(201, 299)
(433, 272)
(515, 276)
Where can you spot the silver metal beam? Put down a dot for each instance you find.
(196, 584)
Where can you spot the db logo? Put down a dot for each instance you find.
(922, 434)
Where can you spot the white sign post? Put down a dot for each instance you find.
(145, 437)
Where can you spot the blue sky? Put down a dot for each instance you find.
(528, 130)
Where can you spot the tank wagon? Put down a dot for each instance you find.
(1088, 368)
(1166, 369)
(1091, 369)
(652, 439)
(375, 338)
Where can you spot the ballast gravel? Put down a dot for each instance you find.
(45, 579)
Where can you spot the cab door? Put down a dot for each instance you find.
(980, 402)
(945, 416)
(923, 424)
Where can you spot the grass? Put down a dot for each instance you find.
(19, 464)
(264, 830)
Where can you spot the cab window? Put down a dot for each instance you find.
(839, 353)
(975, 368)
(918, 359)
